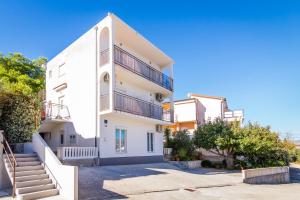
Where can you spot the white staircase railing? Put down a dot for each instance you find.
(70, 153)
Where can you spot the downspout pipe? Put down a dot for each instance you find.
(96, 82)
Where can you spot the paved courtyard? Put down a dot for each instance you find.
(165, 181)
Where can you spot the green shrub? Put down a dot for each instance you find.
(206, 164)
(261, 147)
(182, 146)
(298, 155)
(168, 140)
(19, 119)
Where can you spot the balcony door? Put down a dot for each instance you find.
(61, 105)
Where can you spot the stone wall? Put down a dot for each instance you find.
(271, 175)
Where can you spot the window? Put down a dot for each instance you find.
(61, 70)
(121, 140)
(50, 73)
(150, 142)
(62, 137)
(72, 139)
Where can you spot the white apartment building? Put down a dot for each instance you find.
(197, 109)
(104, 96)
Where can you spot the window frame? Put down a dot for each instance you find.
(62, 137)
(72, 139)
(61, 72)
(150, 146)
(119, 151)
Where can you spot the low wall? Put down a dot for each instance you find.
(270, 175)
(187, 164)
(65, 177)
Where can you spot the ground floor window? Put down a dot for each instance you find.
(120, 140)
(72, 139)
(150, 142)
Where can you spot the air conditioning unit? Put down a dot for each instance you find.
(159, 128)
(159, 97)
(106, 77)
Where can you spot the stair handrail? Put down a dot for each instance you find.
(13, 163)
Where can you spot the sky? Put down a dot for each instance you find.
(246, 51)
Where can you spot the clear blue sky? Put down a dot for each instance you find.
(246, 51)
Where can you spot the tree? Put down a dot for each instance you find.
(20, 75)
(218, 138)
(21, 79)
(261, 147)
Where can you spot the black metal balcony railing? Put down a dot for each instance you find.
(129, 104)
(139, 67)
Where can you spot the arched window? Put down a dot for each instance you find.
(104, 91)
(104, 46)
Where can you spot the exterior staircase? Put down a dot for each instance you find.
(31, 179)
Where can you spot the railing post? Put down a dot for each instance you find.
(1, 145)
(14, 180)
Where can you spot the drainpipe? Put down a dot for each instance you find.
(96, 68)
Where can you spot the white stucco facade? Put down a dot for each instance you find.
(110, 79)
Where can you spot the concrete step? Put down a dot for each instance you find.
(26, 168)
(29, 163)
(27, 159)
(28, 173)
(38, 195)
(32, 177)
(33, 183)
(34, 188)
(23, 155)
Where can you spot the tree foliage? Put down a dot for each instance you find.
(219, 138)
(261, 147)
(182, 146)
(21, 79)
(167, 136)
(19, 118)
(257, 145)
(20, 75)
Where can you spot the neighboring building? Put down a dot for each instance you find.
(197, 109)
(104, 97)
(297, 143)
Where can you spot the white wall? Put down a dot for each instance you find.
(185, 111)
(136, 136)
(4, 178)
(209, 108)
(65, 177)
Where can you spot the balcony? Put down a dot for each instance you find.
(56, 112)
(234, 115)
(132, 105)
(135, 65)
